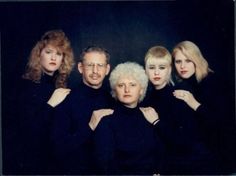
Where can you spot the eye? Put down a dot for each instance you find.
(162, 67)
(59, 54)
(133, 84)
(188, 60)
(177, 61)
(101, 65)
(120, 85)
(89, 65)
(151, 67)
(47, 51)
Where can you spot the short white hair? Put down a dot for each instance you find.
(129, 69)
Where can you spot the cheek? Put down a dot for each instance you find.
(177, 67)
(150, 73)
(166, 75)
(60, 59)
(43, 60)
(193, 68)
(119, 94)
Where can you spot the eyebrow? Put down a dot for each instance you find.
(157, 64)
(51, 49)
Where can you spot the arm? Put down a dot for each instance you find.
(167, 129)
(104, 147)
(69, 131)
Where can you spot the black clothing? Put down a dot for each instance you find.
(179, 128)
(218, 128)
(29, 146)
(126, 143)
(71, 134)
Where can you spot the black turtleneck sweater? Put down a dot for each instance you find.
(71, 134)
(217, 125)
(29, 146)
(180, 130)
(126, 143)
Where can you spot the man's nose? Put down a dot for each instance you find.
(95, 68)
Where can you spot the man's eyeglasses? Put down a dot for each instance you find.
(90, 66)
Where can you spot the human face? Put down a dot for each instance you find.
(50, 59)
(94, 68)
(128, 91)
(184, 66)
(158, 71)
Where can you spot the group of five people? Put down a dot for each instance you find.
(150, 123)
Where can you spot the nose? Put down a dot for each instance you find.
(126, 89)
(182, 65)
(156, 71)
(95, 68)
(53, 57)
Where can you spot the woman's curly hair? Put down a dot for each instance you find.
(58, 39)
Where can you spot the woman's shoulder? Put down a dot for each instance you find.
(26, 85)
(212, 79)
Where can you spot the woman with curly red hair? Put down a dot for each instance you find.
(43, 87)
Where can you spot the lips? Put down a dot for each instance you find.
(127, 96)
(94, 77)
(183, 72)
(52, 63)
(157, 78)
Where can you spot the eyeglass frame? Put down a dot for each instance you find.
(90, 66)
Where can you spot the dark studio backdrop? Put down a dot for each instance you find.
(127, 29)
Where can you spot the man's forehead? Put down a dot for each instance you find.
(95, 56)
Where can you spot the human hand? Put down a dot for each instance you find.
(150, 114)
(187, 97)
(58, 96)
(97, 115)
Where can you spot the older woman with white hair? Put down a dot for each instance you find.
(125, 142)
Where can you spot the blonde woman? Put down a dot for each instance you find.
(186, 151)
(198, 87)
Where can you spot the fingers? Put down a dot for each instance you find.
(106, 112)
(103, 112)
(62, 90)
(58, 96)
(181, 94)
(147, 110)
(97, 116)
(149, 113)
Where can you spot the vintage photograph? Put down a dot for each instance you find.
(118, 87)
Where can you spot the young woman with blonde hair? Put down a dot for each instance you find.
(186, 151)
(198, 86)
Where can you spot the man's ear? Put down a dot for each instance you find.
(80, 67)
(108, 69)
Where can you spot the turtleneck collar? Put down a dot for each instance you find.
(47, 78)
(124, 109)
(89, 90)
(165, 90)
(192, 81)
